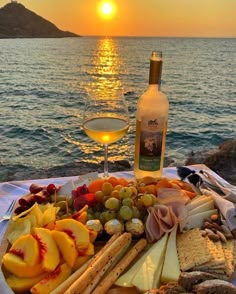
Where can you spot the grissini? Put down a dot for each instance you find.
(108, 266)
(92, 270)
(68, 282)
(109, 280)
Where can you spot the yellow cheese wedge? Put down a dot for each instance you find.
(204, 207)
(197, 202)
(196, 220)
(171, 268)
(149, 273)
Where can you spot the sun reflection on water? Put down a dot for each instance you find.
(105, 82)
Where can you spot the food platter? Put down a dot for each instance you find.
(114, 289)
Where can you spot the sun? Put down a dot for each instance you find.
(106, 9)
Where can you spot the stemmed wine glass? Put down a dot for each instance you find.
(106, 118)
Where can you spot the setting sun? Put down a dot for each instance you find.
(106, 9)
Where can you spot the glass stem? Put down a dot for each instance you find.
(106, 175)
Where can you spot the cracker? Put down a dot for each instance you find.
(228, 249)
(234, 253)
(192, 249)
(217, 261)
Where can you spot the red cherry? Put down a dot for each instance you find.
(35, 188)
(23, 202)
(51, 188)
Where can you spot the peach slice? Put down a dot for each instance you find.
(23, 285)
(88, 251)
(49, 251)
(52, 280)
(27, 248)
(76, 230)
(66, 246)
(80, 261)
(15, 265)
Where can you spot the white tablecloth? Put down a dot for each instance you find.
(16, 189)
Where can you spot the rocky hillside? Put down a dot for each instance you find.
(221, 160)
(16, 21)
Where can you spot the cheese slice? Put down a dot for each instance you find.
(149, 272)
(204, 207)
(200, 201)
(171, 268)
(196, 220)
(125, 280)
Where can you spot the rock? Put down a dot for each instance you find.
(16, 21)
(22, 172)
(221, 160)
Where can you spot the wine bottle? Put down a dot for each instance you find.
(151, 124)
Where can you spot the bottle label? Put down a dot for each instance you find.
(151, 137)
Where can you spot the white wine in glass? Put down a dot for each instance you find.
(106, 121)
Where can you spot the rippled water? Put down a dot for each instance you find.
(44, 83)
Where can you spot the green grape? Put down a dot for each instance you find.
(109, 215)
(96, 215)
(136, 212)
(146, 200)
(125, 192)
(128, 202)
(102, 217)
(99, 196)
(112, 203)
(125, 212)
(107, 188)
(134, 190)
(90, 216)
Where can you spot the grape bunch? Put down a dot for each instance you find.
(120, 202)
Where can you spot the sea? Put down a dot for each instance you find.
(45, 85)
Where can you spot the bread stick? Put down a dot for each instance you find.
(95, 266)
(108, 266)
(109, 280)
(68, 282)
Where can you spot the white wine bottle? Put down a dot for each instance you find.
(151, 124)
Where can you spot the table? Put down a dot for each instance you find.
(16, 189)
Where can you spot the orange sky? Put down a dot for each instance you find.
(197, 18)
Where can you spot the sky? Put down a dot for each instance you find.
(167, 18)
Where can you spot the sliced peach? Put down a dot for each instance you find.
(23, 285)
(87, 251)
(27, 248)
(80, 261)
(18, 267)
(66, 246)
(82, 217)
(52, 280)
(90, 249)
(92, 235)
(49, 251)
(76, 230)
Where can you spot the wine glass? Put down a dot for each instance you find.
(106, 118)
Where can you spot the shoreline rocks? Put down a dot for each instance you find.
(221, 160)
